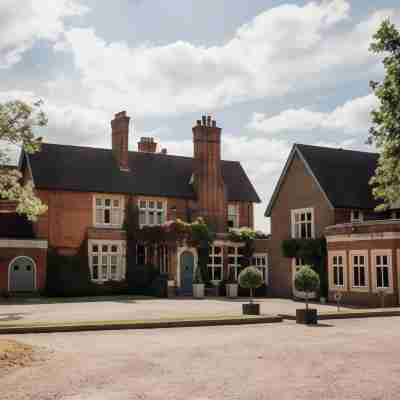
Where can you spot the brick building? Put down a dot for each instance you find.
(325, 192)
(87, 191)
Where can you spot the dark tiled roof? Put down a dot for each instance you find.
(61, 167)
(344, 175)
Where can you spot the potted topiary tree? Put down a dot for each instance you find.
(231, 285)
(306, 280)
(251, 278)
(198, 284)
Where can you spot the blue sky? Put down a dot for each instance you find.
(270, 72)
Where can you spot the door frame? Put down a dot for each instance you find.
(34, 270)
(180, 251)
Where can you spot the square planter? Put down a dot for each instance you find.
(251, 309)
(308, 317)
(232, 289)
(198, 290)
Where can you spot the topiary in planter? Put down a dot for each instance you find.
(251, 278)
(306, 280)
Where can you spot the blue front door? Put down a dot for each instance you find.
(187, 266)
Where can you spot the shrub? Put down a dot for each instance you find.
(306, 280)
(68, 275)
(250, 278)
(142, 276)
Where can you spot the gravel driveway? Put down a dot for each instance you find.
(133, 308)
(343, 360)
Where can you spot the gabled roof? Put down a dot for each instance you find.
(342, 175)
(64, 167)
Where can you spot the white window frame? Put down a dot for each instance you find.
(236, 256)
(116, 213)
(212, 256)
(358, 254)
(108, 255)
(374, 254)
(234, 216)
(260, 261)
(294, 223)
(360, 216)
(147, 210)
(332, 265)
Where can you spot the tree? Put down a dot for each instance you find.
(306, 280)
(18, 121)
(385, 131)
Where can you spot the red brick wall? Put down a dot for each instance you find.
(39, 256)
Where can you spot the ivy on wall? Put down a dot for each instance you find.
(313, 252)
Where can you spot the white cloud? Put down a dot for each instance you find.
(351, 117)
(23, 22)
(282, 50)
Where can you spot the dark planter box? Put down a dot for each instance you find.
(309, 316)
(251, 309)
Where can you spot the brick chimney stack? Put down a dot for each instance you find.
(147, 145)
(120, 139)
(208, 180)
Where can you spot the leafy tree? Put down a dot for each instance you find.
(306, 280)
(385, 132)
(18, 121)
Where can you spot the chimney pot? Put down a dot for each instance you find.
(164, 151)
(147, 145)
(204, 119)
(209, 120)
(199, 122)
(214, 123)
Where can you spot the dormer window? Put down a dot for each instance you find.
(152, 212)
(357, 216)
(233, 216)
(108, 211)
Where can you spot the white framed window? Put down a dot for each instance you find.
(233, 215)
(359, 270)
(337, 270)
(302, 223)
(109, 211)
(106, 260)
(234, 258)
(357, 216)
(215, 263)
(382, 270)
(152, 212)
(260, 261)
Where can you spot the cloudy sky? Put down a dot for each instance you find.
(271, 72)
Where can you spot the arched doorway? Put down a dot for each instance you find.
(22, 274)
(186, 269)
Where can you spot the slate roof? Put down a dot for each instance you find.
(64, 167)
(343, 175)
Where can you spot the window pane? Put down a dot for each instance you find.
(355, 276)
(362, 276)
(151, 204)
(104, 248)
(113, 272)
(160, 205)
(378, 260)
(217, 250)
(114, 260)
(95, 248)
(217, 260)
(210, 271)
(107, 216)
(99, 202)
(309, 217)
(231, 250)
(95, 260)
(104, 272)
(379, 277)
(116, 203)
(217, 273)
(142, 204)
(151, 217)
(114, 248)
(231, 260)
(142, 218)
(384, 260)
(362, 260)
(340, 276)
(107, 202)
(385, 277)
(95, 272)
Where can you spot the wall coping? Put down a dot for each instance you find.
(24, 243)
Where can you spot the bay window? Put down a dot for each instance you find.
(106, 260)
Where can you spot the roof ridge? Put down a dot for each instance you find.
(130, 151)
(335, 148)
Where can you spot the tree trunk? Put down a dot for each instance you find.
(251, 295)
(307, 301)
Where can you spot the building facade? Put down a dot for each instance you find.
(87, 192)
